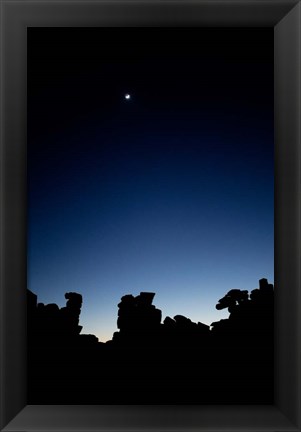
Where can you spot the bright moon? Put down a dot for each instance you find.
(127, 96)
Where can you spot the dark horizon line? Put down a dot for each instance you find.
(143, 301)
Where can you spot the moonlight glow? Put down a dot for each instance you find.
(127, 96)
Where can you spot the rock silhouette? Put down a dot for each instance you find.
(153, 362)
(49, 325)
(251, 316)
(138, 320)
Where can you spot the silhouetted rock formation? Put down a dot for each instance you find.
(181, 331)
(150, 362)
(233, 298)
(251, 319)
(139, 323)
(137, 319)
(50, 325)
(253, 315)
(70, 314)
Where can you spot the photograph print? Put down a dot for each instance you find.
(150, 162)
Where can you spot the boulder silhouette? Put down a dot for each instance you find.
(137, 314)
(147, 361)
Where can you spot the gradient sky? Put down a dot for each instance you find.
(170, 191)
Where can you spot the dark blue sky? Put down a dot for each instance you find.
(170, 191)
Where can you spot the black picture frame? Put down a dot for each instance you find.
(284, 17)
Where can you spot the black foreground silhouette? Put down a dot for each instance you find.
(150, 362)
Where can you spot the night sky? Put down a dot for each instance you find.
(170, 191)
